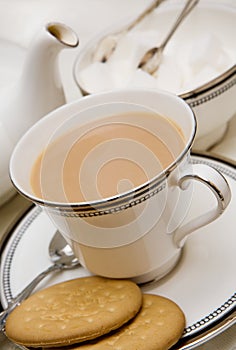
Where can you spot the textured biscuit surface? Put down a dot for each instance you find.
(158, 325)
(74, 311)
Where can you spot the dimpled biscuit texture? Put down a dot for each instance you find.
(158, 326)
(74, 311)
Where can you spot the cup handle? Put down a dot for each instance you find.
(217, 183)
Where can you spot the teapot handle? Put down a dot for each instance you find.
(219, 186)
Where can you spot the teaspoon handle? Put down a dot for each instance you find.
(146, 12)
(187, 8)
(25, 293)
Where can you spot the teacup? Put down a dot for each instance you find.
(139, 231)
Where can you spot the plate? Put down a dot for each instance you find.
(202, 284)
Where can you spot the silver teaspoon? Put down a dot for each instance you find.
(62, 258)
(107, 45)
(152, 58)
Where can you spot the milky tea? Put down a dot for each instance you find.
(106, 157)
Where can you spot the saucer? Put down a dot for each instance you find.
(202, 284)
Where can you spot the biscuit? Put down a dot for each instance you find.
(73, 311)
(158, 326)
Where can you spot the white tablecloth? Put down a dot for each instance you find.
(19, 22)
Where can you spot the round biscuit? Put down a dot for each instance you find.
(73, 311)
(158, 326)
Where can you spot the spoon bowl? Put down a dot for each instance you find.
(152, 58)
(62, 257)
(61, 253)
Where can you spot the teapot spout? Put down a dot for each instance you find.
(41, 78)
(39, 89)
(63, 34)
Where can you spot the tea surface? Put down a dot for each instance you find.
(105, 157)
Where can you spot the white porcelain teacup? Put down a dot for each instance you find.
(139, 231)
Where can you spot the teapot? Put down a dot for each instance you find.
(38, 91)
